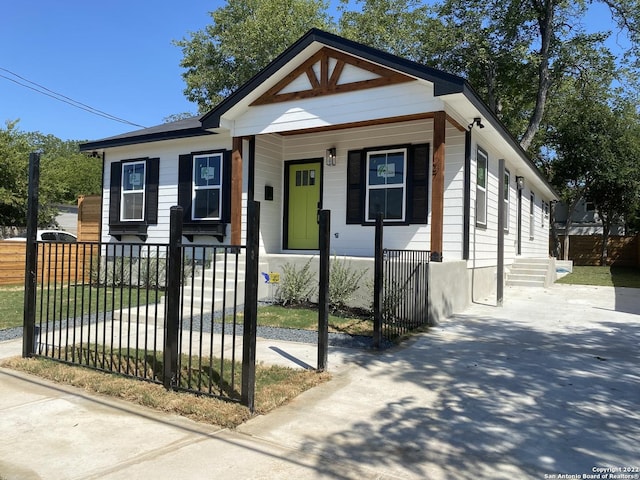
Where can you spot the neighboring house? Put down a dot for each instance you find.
(585, 220)
(334, 124)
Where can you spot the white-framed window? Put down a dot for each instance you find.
(544, 212)
(207, 187)
(532, 223)
(132, 191)
(506, 196)
(386, 184)
(481, 187)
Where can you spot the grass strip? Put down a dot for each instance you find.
(71, 300)
(603, 276)
(275, 386)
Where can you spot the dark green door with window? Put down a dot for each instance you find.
(303, 188)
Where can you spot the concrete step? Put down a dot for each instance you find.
(518, 260)
(528, 272)
(527, 277)
(525, 283)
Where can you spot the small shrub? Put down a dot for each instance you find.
(296, 285)
(344, 281)
(152, 272)
(393, 294)
(112, 272)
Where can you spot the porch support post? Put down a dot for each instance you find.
(437, 185)
(236, 191)
(466, 226)
(501, 207)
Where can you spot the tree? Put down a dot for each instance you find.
(390, 25)
(516, 54)
(14, 154)
(244, 37)
(616, 188)
(596, 145)
(65, 173)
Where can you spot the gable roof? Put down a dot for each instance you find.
(187, 127)
(444, 83)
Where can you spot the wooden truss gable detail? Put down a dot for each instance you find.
(329, 81)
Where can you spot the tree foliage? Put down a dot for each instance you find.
(516, 54)
(244, 37)
(65, 174)
(597, 143)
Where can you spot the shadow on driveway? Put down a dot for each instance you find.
(535, 388)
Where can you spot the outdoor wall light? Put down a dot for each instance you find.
(520, 183)
(331, 156)
(476, 121)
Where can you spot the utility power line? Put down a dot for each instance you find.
(36, 87)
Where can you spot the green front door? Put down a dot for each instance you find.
(304, 200)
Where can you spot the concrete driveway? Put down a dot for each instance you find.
(548, 384)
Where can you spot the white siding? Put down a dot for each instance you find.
(511, 236)
(168, 152)
(483, 242)
(357, 106)
(539, 245)
(269, 171)
(357, 240)
(453, 195)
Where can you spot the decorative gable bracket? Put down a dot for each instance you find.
(323, 74)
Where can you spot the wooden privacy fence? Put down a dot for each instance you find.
(60, 260)
(585, 250)
(89, 210)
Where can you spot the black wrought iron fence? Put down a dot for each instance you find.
(401, 290)
(100, 305)
(211, 306)
(170, 314)
(104, 306)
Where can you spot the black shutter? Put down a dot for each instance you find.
(226, 187)
(114, 193)
(418, 188)
(185, 167)
(151, 186)
(355, 187)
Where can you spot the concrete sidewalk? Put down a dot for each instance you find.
(547, 384)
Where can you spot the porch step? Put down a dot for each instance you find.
(528, 272)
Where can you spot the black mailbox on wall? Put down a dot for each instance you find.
(268, 192)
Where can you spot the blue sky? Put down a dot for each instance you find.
(116, 56)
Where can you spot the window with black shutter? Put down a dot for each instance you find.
(204, 193)
(391, 180)
(133, 196)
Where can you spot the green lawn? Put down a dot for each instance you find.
(604, 276)
(307, 319)
(12, 301)
(11, 306)
(76, 300)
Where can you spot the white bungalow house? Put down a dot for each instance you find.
(337, 125)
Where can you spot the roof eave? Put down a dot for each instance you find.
(146, 138)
